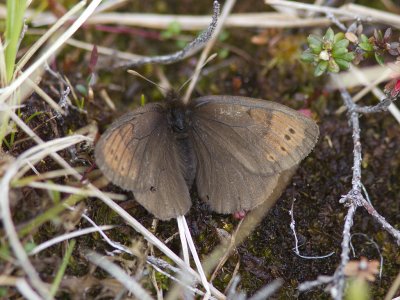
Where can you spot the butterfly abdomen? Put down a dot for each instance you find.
(178, 123)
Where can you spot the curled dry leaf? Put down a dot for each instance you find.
(362, 269)
(351, 37)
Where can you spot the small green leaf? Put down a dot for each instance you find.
(364, 38)
(173, 29)
(180, 44)
(343, 64)
(81, 89)
(55, 196)
(337, 52)
(29, 246)
(341, 44)
(379, 58)
(329, 35)
(4, 252)
(3, 291)
(308, 56)
(315, 43)
(338, 37)
(223, 36)
(321, 68)
(349, 56)
(223, 53)
(366, 46)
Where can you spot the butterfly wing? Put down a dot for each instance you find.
(138, 153)
(243, 145)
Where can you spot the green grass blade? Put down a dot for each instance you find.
(63, 267)
(14, 23)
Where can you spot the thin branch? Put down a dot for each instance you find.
(354, 198)
(190, 49)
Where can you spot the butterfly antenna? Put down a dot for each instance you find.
(134, 73)
(210, 58)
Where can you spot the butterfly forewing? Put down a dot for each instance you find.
(243, 145)
(139, 154)
(263, 136)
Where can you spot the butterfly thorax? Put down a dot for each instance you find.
(177, 115)
(176, 119)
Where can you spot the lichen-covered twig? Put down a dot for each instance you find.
(190, 49)
(354, 198)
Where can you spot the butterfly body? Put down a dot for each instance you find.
(235, 149)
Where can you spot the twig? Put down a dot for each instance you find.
(190, 49)
(377, 93)
(354, 198)
(338, 282)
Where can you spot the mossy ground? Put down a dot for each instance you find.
(269, 71)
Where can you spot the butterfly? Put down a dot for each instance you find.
(235, 149)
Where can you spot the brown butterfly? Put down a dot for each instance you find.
(235, 148)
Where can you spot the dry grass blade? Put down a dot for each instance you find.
(33, 49)
(68, 236)
(127, 281)
(206, 51)
(32, 155)
(51, 50)
(72, 190)
(353, 11)
(393, 109)
(25, 290)
(119, 210)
